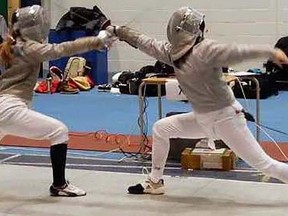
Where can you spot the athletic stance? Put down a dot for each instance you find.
(21, 56)
(197, 63)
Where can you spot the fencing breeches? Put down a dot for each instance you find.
(227, 124)
(17, 119)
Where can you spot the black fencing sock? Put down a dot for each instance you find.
(58, 159)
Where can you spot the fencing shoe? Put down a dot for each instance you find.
(67, 190)
(148, 187)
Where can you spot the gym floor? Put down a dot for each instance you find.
(25, 192)
(26, 173)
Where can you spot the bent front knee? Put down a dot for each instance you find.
(60, 134)
(162, 129)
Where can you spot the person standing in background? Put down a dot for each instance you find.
(3, 33)
(3, 29)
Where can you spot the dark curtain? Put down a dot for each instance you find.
(25, 3)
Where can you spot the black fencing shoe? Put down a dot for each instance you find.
(148, 187)
(67, 190)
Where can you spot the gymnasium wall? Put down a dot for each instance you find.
(241, 21)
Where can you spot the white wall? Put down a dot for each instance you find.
(241, 21)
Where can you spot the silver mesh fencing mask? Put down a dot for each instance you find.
(32, 23)
(183, 30)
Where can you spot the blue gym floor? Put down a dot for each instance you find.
(93, 111)
(26, 173)
(117, 113)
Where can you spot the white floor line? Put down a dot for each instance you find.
(9, 158)
(87, 165)
(118, 166)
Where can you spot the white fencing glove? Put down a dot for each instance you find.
(107, 38)
(112, 29)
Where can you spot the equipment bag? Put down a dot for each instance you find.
(267, 87)
(76, 66)
(129, 82)
(51, 83)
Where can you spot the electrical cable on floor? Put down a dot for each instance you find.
(145, 126)
(120, 140)
(144, 150)
(117, 139)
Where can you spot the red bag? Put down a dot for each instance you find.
(51, 83)
(46, 86)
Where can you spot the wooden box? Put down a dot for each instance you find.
(219, 159)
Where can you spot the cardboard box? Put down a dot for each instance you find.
(219, 159)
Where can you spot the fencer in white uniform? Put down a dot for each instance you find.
(197, 63)
(21, 56)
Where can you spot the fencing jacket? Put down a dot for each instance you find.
(199, 73)
(20, 77)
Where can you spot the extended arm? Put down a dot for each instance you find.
(44, 52)
(227, 54)
(157, 49)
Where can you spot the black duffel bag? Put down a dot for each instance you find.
(267, 87)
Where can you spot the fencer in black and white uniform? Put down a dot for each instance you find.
(216, 114)
(21, 56)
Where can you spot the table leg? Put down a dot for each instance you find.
(257, 107)
(141, 108)
(159, 101)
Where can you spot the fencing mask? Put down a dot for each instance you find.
(31, 22)
(184, 29)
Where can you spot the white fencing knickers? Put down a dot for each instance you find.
(17, 119)
(225, 124)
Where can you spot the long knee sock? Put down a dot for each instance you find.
(58, 159)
